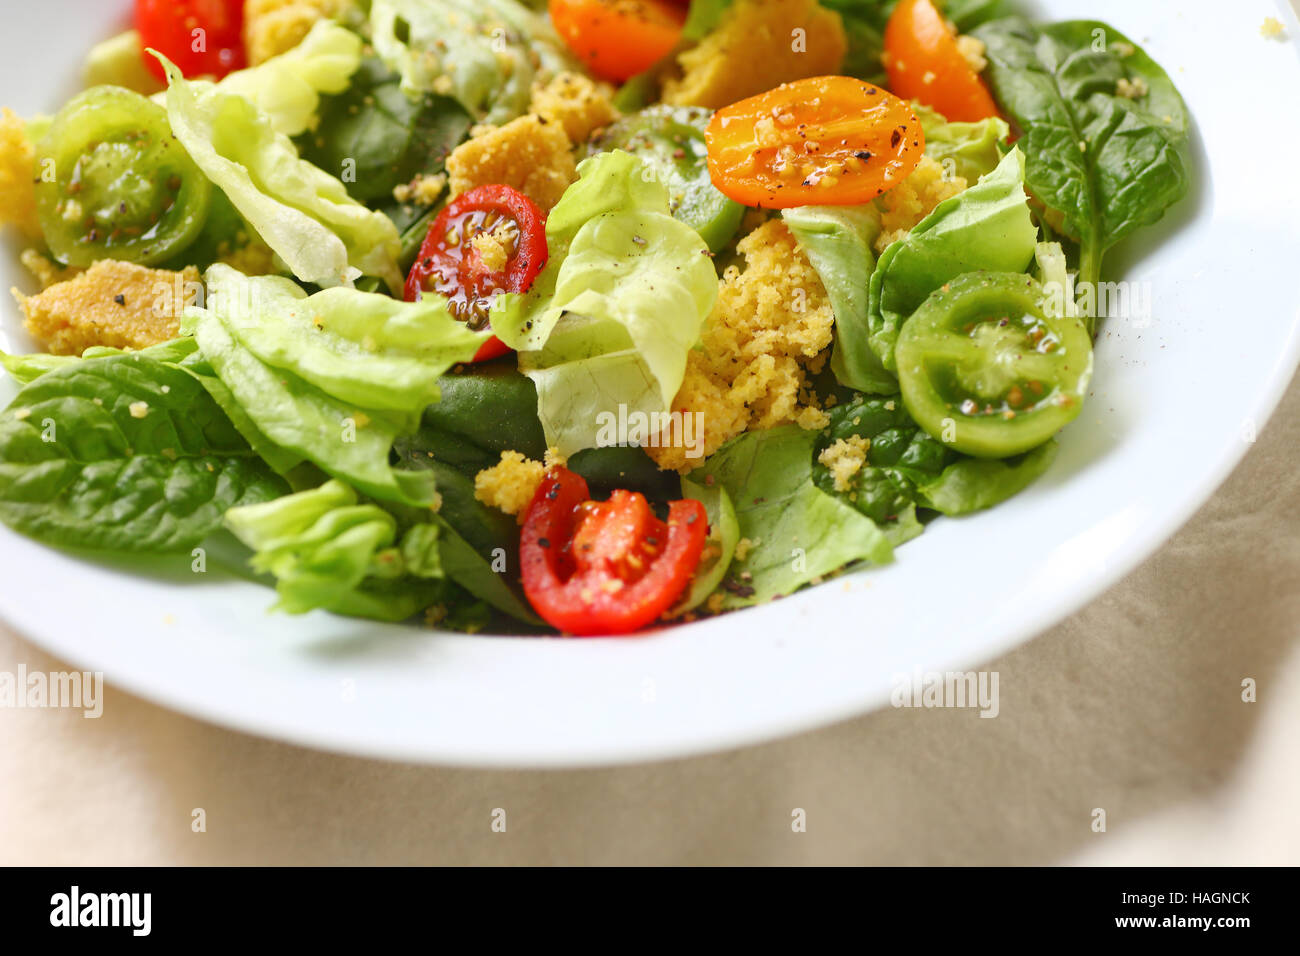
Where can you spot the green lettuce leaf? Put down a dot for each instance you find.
(302, 212)
(987, 227)
(969, 150)
(838, 242)
(287, 89)
(327, 551)
(973, 484)
(485, 53)
(798, 533)
(27, 368)
(335, 377)
(618, 306)
(724, 533)
(123, 453)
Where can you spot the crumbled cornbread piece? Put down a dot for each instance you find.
(1272, 29)
(17, 176)
(755, 48)
(578, 104)
(1131, 89)
(495, 246)
(46, 271)
(530, 154)
(422, 190)
(972, 51)
(115, 304)
(845, 459)
(510, 484)
(771, 326)
(744, 546)
(913, 199)
(272, 27)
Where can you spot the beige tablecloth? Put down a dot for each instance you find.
(1133, 707)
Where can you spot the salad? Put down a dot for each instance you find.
(577, 316)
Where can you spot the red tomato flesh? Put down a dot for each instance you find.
(606, 567)
(451, 264)
(202, 37)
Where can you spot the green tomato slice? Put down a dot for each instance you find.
(985, 369)
(113, 183)
(670, 139)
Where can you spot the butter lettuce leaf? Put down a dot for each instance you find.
(287, 88)
(335, 377)
(621, 301)
(301, 212)
(328, 551)
(838, 242)
(986, 227)
(969, 150)
(485, 53)
(797, 532)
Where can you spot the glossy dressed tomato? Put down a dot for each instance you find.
(986, 370)
(202, 37)
(823, 141)
(925, 63)
(606, 567)
(487, 241)
(617, 39)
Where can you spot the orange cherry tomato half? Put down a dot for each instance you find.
(605, 567)
(824, 141)
(924, 63)
(617, 39)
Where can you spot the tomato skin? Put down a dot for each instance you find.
(592, 568)
(918, 44)
(169, 26)
(617, 39)
(984, 368)
(823, 141)
(455, 269)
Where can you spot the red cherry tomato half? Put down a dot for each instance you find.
(201, 37)
(606, 567)
(470, 273)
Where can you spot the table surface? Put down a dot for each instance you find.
(1133, 706)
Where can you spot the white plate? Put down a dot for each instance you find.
(1175, 405)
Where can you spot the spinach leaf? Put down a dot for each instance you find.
(906, 468)
(1106, 163)
(123, 453)
(375, 138)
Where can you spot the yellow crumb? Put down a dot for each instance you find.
(272, 27)
(913, 199)
(1131, 89)
(17, 176)
(713, 604)
(754, 48)
(553, 458)
(530, 154)
(422, 190)
(138, 409)
(744, 546)
(972, 51)
(1272, 28)
(771, 326)
(578, 104)
(115, 304)
(845, 459)
(510, 484)
(495, 246)
(46, 271)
